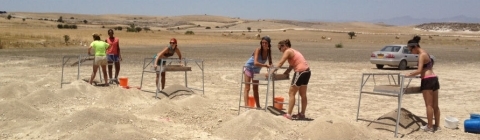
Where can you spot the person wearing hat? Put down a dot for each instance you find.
(253, 66)
(165, 53)
(429, 84)
(100, 47)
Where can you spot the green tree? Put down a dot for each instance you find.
(9, 17)
(248, 28)
(85, 21)
(138, 29)
(60, 26)
(23, 19)
(351, 34)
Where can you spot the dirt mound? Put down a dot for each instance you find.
(165, 108)
(332, 127)
(254, 124)
(103, 131)
(14, 90)
(16, 110)
(409, 122)
(84, 119)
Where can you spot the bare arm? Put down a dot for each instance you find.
(119, 54)
(421, 60)
(179, 54)
(284, 58)
(89, 49)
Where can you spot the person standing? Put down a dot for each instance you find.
(300, 79)
(113, 55)
(100, 47)
(166, 53)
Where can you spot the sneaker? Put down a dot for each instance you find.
(426, 129)
(299, 116)
(437, 128)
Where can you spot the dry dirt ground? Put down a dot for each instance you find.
(33, 106)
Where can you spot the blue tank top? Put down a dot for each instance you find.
(250, 63)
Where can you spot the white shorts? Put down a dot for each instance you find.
(100, 60)
(158, 70)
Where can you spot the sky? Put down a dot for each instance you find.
(305, 10)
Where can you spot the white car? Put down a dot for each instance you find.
(395, 56)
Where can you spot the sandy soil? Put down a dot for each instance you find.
(33, 106)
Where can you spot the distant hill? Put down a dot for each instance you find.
(448, 26)
(407, 20)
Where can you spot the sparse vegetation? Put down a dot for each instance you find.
(259, 30)
(146, 29)
(66, 26)
(138, 29)
(189, 33)
(85, 21)
(66, 38)
(23, 19)
(339, 45)
(72, 18)
(132, 28)
(217, 27)
(351, 34)
(9, 17)
(60, 19)
(118, 28)
(207, 28)
(249, 28)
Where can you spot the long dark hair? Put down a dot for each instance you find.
(266, 38)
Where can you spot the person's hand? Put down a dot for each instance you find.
(266, 75)
(268, 66)
(155, 67)
(120, 58)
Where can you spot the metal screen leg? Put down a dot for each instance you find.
(360, 96)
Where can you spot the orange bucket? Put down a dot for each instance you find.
(278, 103)
(123, 81)
(251, 101)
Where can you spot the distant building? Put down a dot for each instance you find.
(3, 12)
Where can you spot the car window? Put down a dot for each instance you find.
(406, 51)
(391, 49)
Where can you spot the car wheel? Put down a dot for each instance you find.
(402, 65)
(379, 66)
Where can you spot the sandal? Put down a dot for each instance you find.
(299, 116)
(287, 116)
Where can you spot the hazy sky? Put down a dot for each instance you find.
(321, 10)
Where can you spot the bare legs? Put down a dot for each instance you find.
(291, 100)
(104, 71)
(117, 69)
(247, 90)
(163, 80)
(431, 102)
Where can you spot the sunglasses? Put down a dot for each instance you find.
(280, 47)
(173, 43)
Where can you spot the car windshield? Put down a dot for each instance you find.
(391, 49)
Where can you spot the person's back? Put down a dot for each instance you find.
(100, 47)
(298, 62)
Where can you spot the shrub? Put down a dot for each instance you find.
(189, 33)
(66, 38)
(351, 34)
(73, 26)
(248, 28)
(103, 26)
(85, 21)
(198, 25)
(9, 17)
(60, 26)
(217, 27)
(146, 29)
(72, 18)
(207, 28)
(60, 19)
(339, 45)
(23, 19)
(138, 29)
(66, 26)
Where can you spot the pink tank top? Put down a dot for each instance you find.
(113, 46)
(298, 62)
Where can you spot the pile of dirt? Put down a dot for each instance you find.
(254, 124)
(408, 123)
(331, 127)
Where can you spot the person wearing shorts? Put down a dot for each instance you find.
(253, 66)
(429, 84)
(165, 53)
(300, 79)
(100, 47)
(113, 56)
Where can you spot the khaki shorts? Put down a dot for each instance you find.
(100, 60)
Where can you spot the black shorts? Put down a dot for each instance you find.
(430, 83)
(301, 78)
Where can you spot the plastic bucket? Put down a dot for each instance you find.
(474, 116)
(251, 101)
(123, 81)
(451, 122)
(278, 103)
(472, 125)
